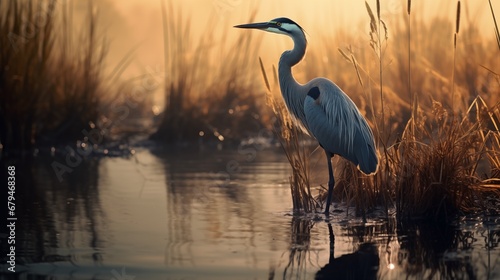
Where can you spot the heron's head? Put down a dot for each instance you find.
(281, 25)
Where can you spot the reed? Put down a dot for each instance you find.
(433, 164)
(413, 97)
(293, 143)
(434, 168)
(457, 28)
(209, 89)
(378, 28)
(497, 32)
(51, 80)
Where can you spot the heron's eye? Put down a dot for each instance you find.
(278, 23)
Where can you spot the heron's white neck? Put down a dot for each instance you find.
(292, 91)
(288, 59)
(294, 56)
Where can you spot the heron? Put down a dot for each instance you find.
(320, 108)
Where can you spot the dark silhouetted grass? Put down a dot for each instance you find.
(440, 149)
(51, 82)
(209, 84)
(440, 164)
(434, 111)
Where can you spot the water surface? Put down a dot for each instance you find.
(220, 215)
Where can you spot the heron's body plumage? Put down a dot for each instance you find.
(335, 121)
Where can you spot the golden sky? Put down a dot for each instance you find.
(138, 23)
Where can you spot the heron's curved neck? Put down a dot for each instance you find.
(292, 57)
(290, 88)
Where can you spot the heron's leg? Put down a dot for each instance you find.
(331, 183)
(332, 242)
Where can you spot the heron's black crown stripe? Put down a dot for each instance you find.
(314, 93)
(287, 20)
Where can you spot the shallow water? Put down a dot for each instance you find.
(219, 215)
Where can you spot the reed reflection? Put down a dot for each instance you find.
(299, 253)
(55, 217)
(444, 250)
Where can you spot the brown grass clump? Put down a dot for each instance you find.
(51, 82)
(438, 168)
(440, 164)
(439, 139)
(209, 89)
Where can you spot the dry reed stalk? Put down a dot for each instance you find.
(457, 28)
(290, 136)
(378, 11)
(202, 95)
(376, 26)
(413, 99)
(440, 178)
(497, 32)
(62, 88)
(438, 165)
(435, 162)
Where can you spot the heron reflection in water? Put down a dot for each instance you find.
(363, 264)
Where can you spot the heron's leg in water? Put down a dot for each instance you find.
(332, 242)
(331, 183)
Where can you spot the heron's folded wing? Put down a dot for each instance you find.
(339, 127)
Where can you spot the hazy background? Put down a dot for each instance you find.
(138, 23)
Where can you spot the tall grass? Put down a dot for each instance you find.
(413, 97)
(209, 83)
(293, 143)
(378, 29)
(440, 175)
(457, 29)
(51, 81)
(434, 164)
(438, 165)
(497, 31)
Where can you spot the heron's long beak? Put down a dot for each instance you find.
(258, 25)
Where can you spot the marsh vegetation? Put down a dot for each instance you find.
(436, 119)
(51, 78)
(230, 186)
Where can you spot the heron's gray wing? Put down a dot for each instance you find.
(339, 127)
